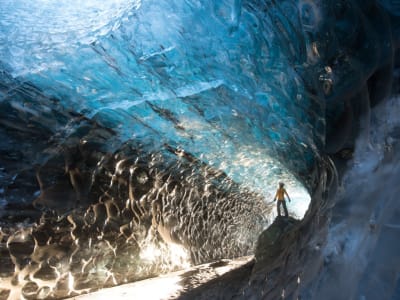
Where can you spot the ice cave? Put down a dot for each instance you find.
(142, 143)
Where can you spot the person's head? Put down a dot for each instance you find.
(281, 184)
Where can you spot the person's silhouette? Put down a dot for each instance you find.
(280, 196)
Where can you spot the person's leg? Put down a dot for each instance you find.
(285, 208)
(278, 204)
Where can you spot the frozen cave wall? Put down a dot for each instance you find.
(139, 123)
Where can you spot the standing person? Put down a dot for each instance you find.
(280, 196)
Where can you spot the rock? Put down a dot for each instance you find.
(269, 243)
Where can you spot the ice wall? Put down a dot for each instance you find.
(360, 256)
(239, 78)
(259, 90)
(220, 81)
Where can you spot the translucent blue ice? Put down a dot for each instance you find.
(258, 89)
(224, 71)
(238, 84)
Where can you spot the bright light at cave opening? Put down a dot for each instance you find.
(256, 169)
(300, 198)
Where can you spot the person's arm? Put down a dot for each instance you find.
(276, 195)
(287, 195)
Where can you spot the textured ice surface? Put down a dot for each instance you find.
(238, 84)
(216, 80)
(256, 89)
(30, 32)
(361, 256)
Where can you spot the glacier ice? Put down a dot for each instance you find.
(147, 100)
(184, 57)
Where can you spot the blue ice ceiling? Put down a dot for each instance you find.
(118, 118)
(238, 84)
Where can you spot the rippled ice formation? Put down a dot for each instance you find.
(238, 84)
(32, 30)
(221, 70)
(256, 90)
